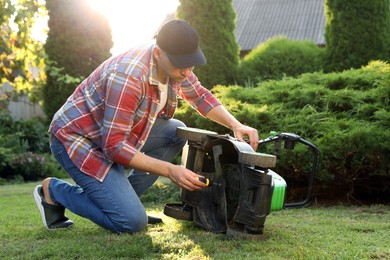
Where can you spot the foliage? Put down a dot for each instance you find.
(33, 133)
(19, 52)
(279, 57)
(346, 115)
(79, 40)
(356, 32)
(24, 150)
(28, 165)
(215, 23)
(32, 167)
(59, 86)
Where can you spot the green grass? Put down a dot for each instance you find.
(316, 232)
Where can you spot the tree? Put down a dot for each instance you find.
(215, 23)
(356, 32)
(79, 40)
(19, 52)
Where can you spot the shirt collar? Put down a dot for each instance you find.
(153, 79)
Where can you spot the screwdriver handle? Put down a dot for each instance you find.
(205, 180)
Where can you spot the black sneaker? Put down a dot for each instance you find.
(53, 216)
(154, 220)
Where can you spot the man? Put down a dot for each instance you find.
(121, 115)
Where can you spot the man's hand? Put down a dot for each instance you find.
(242, 130)
(220, 115)
(184, 178)
(179, 175)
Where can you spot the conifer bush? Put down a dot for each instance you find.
(356, 32)
(215, 23)
(79, 39)
(346, 115)
(279, 57)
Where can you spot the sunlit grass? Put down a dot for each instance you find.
(316, 232)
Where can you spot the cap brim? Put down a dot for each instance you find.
(184, 61)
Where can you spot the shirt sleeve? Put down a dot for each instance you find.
(200, 98)
(123, 97)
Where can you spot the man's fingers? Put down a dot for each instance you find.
(252, 135)
(195, 183)
(189, 181)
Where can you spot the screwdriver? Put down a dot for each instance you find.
(207, 181)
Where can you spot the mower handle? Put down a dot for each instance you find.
(289, 143)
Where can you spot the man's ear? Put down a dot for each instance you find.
(157, 53)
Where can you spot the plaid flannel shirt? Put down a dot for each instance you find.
(109, 116)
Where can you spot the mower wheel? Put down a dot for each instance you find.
(178, 211)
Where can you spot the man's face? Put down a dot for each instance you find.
(167, 69)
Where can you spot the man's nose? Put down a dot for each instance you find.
(186, 72)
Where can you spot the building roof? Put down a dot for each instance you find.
(259, 20)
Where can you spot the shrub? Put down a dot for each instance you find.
(279, 57)
(79, 39)
(28, 165)
(346, 115)
(35, 133)
(6, 121)
(4, 159)
(215, 23)
(21, 136)
(356, 32)
(24, 151)
(58, 88)
(353, 149)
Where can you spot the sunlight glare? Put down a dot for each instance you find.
(133, 21)
(40, 29)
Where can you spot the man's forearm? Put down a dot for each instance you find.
(179, 175)
(220, 115)
(146, 163)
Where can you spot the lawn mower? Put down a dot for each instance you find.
(241, 188)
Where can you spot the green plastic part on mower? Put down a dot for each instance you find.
(279, 192)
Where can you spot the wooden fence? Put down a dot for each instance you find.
(21, 108)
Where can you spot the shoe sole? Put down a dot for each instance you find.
(38, 201)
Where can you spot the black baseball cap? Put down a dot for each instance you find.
(181, 43)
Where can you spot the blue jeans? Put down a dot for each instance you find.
(114, 204)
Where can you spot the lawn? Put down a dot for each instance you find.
(315, 232)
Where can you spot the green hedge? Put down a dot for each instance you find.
(346, 115)
(356, 32)
(279, 57)
(215, 23)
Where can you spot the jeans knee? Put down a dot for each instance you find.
(179, 123)
(132, 224)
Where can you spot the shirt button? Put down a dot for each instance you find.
(142, 142)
